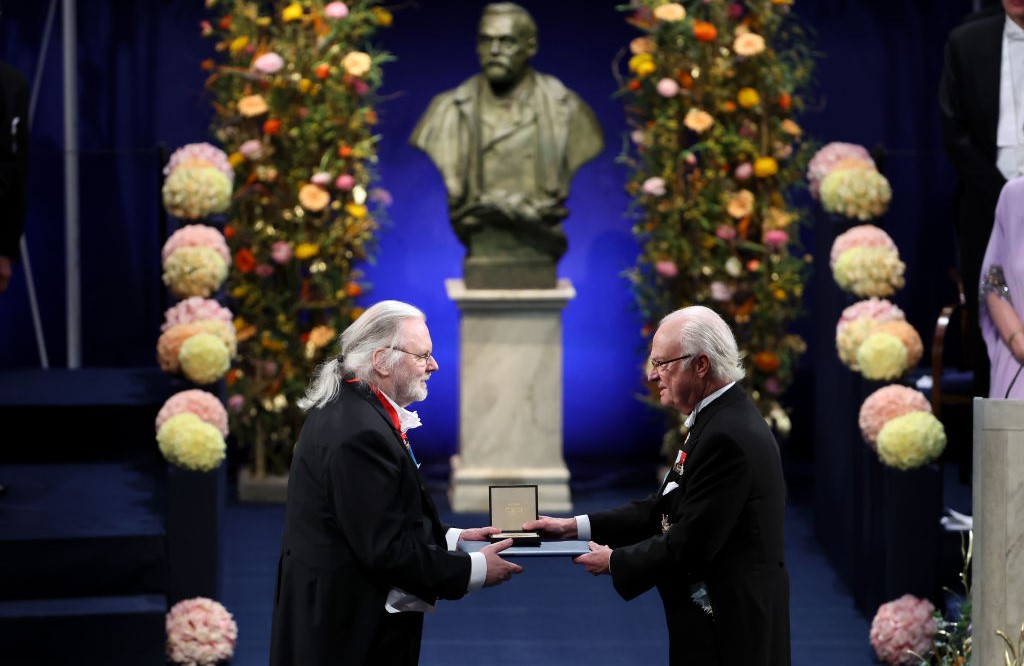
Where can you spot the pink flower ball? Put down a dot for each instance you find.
(825, 159)
(336, 10)
(667, 87)
(654, 186)
(202, 153)
(321, 178)
(666, 268)
(235, 403)
(862, 235)
(878, 309)
(200, 631)
(344, 182)
(203, 404)
(743, 172)
(281, 252)
(886, 404)
(726, 232)
(195, 308)
(268, 63)
(901, 626)
(775, 238)
(264, 270)
(197, 235)
(251, 149)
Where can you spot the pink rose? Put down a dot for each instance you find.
(743, 172)
(654, 186)
(775, 238)
(235, 403)
(321, 178)
(344, 182)
(666, 268)
(281, 252)
(264, 270)
(268, 63)
(251, 149)
(667, 87)
(726, 232)
(721, 292)
(336, 10)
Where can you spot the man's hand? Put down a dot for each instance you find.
(478, 533)
(558, 528)
(596, 561)
(498, 570)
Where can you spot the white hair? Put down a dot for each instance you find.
(379, 327)
(703, 331)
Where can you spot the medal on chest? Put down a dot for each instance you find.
(680, 464)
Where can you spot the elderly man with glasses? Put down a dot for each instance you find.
(364, 552)
(711, 538)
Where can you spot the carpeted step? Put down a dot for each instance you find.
(110, 630)
(71, 530)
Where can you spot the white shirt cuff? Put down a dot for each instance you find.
(451, 537)
(583, 528)
(478, 574)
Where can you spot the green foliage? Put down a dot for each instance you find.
(714, 155)
(298, 129)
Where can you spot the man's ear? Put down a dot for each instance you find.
(702, 365)
(379, 366)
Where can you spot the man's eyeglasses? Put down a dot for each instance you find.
(658, 365)
(424, 357)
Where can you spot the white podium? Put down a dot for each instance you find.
(997, 577)
(510, 395)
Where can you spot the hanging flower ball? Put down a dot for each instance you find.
(195, 308)
(189, 442)
(200, 155)
(194, 271)
(203, 404)
(869, 271)
(902, 627)
(886, 404)
(861, 194)
(861, 235)
(825, 160)
(196, 235)
(192, 193)
(911, 440)
(882, 357)
(204, 358)
(200, 632)
(909, 336)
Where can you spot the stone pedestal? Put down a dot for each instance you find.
(997, 569)
(510, 395)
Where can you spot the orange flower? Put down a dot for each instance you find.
(766, 361)
(244, 260)
(785, 101)
(753, 265)
(634, 85)
(232, 376)
(685, 80)
(225, 23)
(229, 231)
(322, 71)
(344, 151)
(206, 65)
(272, 126)
(352, 289)
(704, 31)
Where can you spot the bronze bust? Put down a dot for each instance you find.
(507, 142)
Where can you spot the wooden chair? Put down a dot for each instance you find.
(952, 367)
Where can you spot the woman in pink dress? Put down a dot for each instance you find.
(1001, 311)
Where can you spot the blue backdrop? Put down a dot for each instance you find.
(140, 87)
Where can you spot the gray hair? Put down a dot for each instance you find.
(525, 25)
(705, 332)
(379, 327)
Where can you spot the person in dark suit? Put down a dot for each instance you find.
(983, 135)
(364, 552)
(14, 94)
(711, 538)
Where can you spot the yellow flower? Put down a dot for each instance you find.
(748, 97)
(670, 12)
(357, 211)
(252, 105)
(642, 64)
(748, 44)
(321, 336)
(236, 158)
(698, 120)
(263, 21)
(642, 45)
(740, 204)
(292, 12)
(313, 198)
(778, 218)
(305, 85)
(356, 63)
(240, 291)
(911, 440)
(270, 344)
(382, 16)
(204, 358)
(307, 250)
(780, 294)
(189, 442)
(882, 356)
(238, 43)
(765, 167)
(791, 128)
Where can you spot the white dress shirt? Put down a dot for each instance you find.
(1010, 133)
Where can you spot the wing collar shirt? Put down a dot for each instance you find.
(399, 600)
(1010, 132)
(583, 521)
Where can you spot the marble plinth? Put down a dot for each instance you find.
(510, 394)
(998, 505)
